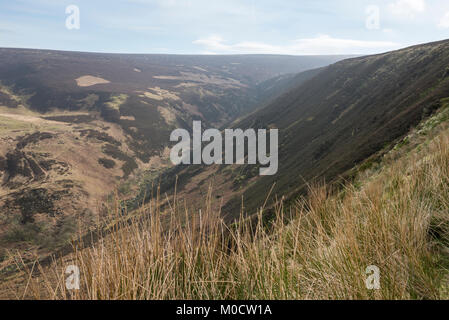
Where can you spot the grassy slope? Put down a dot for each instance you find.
(347, 113)
(327, 124)
(51, 176)
(105, 135)
(393, 216)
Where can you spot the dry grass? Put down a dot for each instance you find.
(87, 81)
(397, 220)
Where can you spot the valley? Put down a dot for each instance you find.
(76, 128)
(85, 153)
(329, 124)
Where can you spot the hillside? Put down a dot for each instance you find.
(362, 181)
(76, 126)
(212, 88)
(346, 113)
(351, 111)
(394, 216)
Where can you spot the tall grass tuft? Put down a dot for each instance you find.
(398, 220)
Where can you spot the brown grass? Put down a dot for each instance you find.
(397, 220)
(87, 81)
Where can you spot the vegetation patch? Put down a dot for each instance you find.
(33, 138)
(101, 136)
(77, 119)
(34, 201)
(117, 101)
(107, 163)
(113, 151)
(41, 233)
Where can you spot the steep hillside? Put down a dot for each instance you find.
(350, 111)
(75, 126)
(377, 125)
(393, 217)
(343, 115)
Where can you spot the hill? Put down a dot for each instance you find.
(362, 181)
(75, 126)
(328, 124)
(393, 218)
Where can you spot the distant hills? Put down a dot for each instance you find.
(76, 126)
(159, 92)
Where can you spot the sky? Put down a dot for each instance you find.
(294, 27)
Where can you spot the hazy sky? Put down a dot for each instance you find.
(225, 26)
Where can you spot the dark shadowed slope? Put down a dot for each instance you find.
(351, 110)
(347, 112)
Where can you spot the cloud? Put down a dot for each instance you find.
(322, 44)
(444, 22)
(407, 8)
